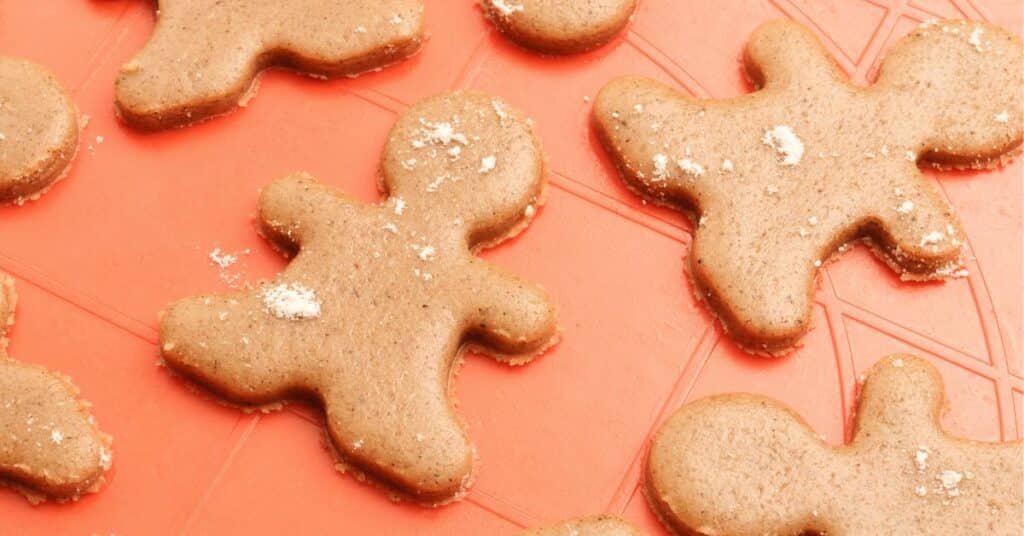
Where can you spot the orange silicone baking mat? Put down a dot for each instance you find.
(132, 227)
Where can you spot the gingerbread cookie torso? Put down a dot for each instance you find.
(557, 26)
(745, 465)
(601, 525)
(50, 446)
(38, 130)
(781, 179)
(204, 55)
(373, 311)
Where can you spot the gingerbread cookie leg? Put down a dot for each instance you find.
(49, 444)
(38, 130)
(204, 55)
(559, 27)
(745, 465)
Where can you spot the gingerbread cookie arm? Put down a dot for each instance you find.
(292, 210)
(962, 82)
(626, 111)
(781, 54)
(227, 344)
(38, 130)
(509, 317)
(203, 55)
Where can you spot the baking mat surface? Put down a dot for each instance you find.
(133, 225)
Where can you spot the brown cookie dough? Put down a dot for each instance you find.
(379, 301)
(38, 130)
(741, 464)
(557, 26)
(204, 55)
(782, 179)
(601, 525)
(49, 444)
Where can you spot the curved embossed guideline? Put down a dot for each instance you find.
(204, 55)
(557, 26)
(781, 179)
(50, 446)
(379, 300)
(599, 525)
(38, 130)
(746, 465)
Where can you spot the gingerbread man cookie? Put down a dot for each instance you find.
(373, 312)
(601, 525)
(49, 444)
(783, 178)
(204, 55)
(557, 26)
(742, 464)
(38, 130)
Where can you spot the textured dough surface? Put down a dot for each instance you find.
(38, 130)
(49, 444)
(601, 525)
(745, 465)
(557, 26)
(781, 179)
(204, 55)
(373, 311)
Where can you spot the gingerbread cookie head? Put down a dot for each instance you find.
(741, 464)
(559, 27)
(378, 302)
(38, 130)
(204, 55)
(783, 178)
(601, 525)
(49, 444)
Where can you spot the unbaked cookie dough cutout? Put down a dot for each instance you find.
(782, 179)
(746, 465)
(204, 56)
(38, 130)
(601, 525)
(559, 26)
(50, 447)
(373, 313)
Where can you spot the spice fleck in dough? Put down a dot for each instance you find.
(557, 26)
(745, 465)
(49, 444)
(38, 130)
(378, 302)
(781, 179)
(204, 55)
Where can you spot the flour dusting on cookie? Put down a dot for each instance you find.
(204, 55)
(745, 465)
(379, 301)
(782, 179)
